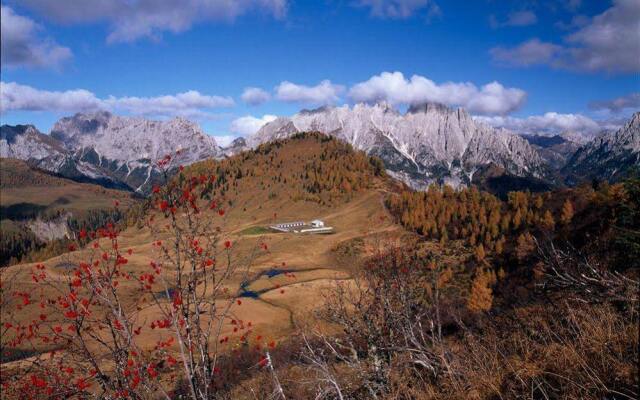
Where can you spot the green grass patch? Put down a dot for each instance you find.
(256, 230)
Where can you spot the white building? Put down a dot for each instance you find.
(287, 226)
(315, 226)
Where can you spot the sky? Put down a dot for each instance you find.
(531, 65)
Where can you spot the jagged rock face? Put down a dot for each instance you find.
(26, 142)
(128, 147)
(237, 146)
(129, 139)
(607, 157)
(51, 229)
(107, 149)
(429, 143)
(555, 150)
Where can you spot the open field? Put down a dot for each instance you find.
(280, 289)
(27, 192)
(284, 276)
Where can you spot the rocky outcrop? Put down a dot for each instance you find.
(611, 156)
(428, 143)
(111, 150)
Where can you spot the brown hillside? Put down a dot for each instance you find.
(302, 178)
(309, 167)
(17, 173)
(27, 194)
(22, 184)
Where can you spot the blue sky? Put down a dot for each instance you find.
(548, 65)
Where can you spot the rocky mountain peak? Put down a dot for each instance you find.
(429, 143)
(26, 142)
(129, 139)
(109, 148)
(10, 133)
(635, 120)
(80, 124)
(318, 110)
(609, 156)
(428, 107)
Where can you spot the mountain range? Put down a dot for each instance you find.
(608, 156)
(430, 143)
(108, 149)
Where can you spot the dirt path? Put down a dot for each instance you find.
(245, 287)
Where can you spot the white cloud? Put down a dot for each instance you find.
(248, 125)
(16, 97)
(607, 42)
(22, 44)
(224, 140)
(393, 87)
(132, 20)
(187, 103)
(400, 9)
(549, 123)
(517, 18)
(528, 53)
(323, 93)
(610, 42)
(619, 104)
(255, 96)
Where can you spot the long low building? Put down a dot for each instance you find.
(287, 226)
(315, 226)
(325, 229)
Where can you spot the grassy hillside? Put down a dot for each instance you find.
(302, 178)
(309, 167)
(27, 194)
(26, 191)
(438, 294)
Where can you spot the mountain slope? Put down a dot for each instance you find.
(37, 206)
(555, 150)
(303, 169)
(27, 188)
(128, 147)
(429, 143)
(611, 156)
(25, 142)
(127, 139)
(108, 149)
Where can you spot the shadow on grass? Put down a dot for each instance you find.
(10, 354)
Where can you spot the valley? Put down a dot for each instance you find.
(198, 252)
(319, 200)
(40, 210)
(429, 143)
(279, 289)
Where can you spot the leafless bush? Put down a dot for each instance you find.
(587, 278)
(94, 306)
(391, 343)
(390, 319)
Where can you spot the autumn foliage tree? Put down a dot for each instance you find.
(567, 212)
(391, 320)
(112, 330)
(481, 294)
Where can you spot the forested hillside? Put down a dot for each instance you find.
(587, 215)
(41, 211)
(308, 167)
(436, 294)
